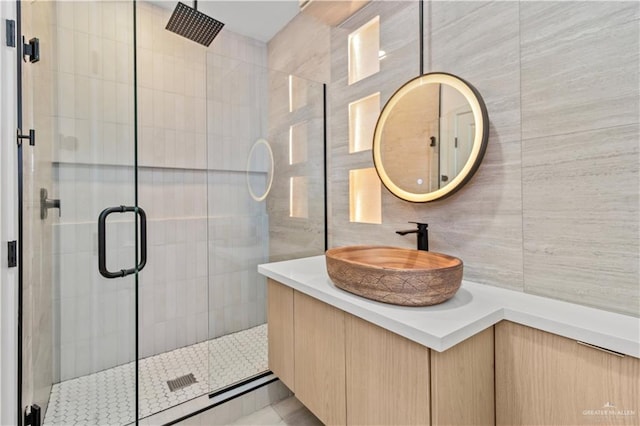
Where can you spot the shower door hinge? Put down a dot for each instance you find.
(12, 254)
(10, 25)
(31, 136)
(31, 50)
(33, 418)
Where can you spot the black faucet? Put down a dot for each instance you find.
(423, 235)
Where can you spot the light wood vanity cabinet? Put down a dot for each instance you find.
(544, 379)
(462, 382)
(319, 358)
(280, 331)
(349, 371)
(387, 377)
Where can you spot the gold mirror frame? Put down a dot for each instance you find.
(480, 139)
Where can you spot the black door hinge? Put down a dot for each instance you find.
(12, 254)
(33, 418)
(11, 32)
(31, 136)
(31, 50)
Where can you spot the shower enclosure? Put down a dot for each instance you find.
(203, 162)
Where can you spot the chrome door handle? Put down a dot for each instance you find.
(48, 203)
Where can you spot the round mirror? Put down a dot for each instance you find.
(260, 170)
(430, 137)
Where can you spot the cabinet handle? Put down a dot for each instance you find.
(589, 345)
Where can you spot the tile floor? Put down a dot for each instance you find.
(287, 412)
(108, 397)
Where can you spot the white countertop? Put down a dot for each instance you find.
(474, 308)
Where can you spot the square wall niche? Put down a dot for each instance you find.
(363, 115)
(298, 197)
(297, 93)
(365, 196)
(298, 143)
(364, 50)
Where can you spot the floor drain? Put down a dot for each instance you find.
(181, 382)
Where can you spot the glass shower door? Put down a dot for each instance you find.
(265, 183)
(79, 325)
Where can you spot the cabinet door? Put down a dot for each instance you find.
(319, 358)
(280, 331)
(387, 377)
(462, 382)
(544, 379)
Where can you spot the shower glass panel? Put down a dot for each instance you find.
(79, 327)
(214, 122)
(265, 130)
(227, 162)
(173, 190)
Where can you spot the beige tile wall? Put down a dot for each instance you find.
(554, 208)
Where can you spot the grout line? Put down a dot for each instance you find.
(521, 142)
(575, 132)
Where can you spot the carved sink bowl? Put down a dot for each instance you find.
(395, 275)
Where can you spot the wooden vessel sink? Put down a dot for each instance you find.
(395, 275)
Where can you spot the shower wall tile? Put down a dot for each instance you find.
(178, 143)
(293, 237)
(302, 49)
(299, 60)
(176, 202)
(237, 46)
(171, 95)
(187, 155)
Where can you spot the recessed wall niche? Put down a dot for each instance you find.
(365, 196)
(298, 143)
(298, 197)
(363, 115)
(364, 51)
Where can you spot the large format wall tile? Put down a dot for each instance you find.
(482, 223)
(579, 66)
(544, 69)
(302, 49)
(486, 55)
(292, 236)
(399, 40)
(581, 221)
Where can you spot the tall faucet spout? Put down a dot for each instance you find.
(410, 231)
(422, 237)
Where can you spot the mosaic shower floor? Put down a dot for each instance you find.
(108, 397)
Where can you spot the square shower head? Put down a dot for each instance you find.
(188, 22)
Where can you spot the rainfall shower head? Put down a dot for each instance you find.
(196, 26)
